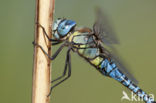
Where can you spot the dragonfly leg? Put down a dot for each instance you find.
(55, 54)
(55, 43)
(64, 72)
(44, 32)
(68, 63)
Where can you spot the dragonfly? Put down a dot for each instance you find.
(92, 45)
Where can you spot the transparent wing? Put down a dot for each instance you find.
(103, 31)
(112, 53)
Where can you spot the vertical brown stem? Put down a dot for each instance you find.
(41, 68)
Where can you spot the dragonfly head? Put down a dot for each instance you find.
(62, 27)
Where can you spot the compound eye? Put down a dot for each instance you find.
(69, 22)
(63, 27)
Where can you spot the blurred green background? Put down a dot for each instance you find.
(134, 22)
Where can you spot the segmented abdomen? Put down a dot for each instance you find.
(110, 69)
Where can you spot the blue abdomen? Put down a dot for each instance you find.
(110, 69)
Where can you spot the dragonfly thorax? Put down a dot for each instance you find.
(62, 27)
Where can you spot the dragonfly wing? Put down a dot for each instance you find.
(123, 68)
(104, 32)
(103, 29)
(112, 53)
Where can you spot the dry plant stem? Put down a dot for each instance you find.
(41, 68)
